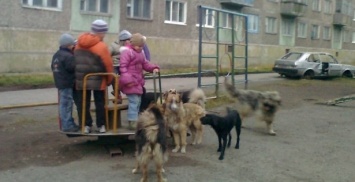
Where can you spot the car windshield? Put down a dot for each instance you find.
(292, 56)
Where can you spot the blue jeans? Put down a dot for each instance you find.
(134, 102)
(66, 108)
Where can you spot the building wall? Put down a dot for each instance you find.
(81, 21)
(15, 15)
(30, 37)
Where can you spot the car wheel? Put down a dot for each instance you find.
(308, 75)
(347, 74)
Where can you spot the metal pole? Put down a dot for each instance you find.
(200, 9)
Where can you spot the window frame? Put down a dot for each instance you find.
(302, 33)
(171, 12)
(315, 36)
(130, 13)
(316, 5)
(346, 36)
(273, 26)
(253, 27)
(97, 7)
(327, 32)
(286, 27)
(328, 7)
(29, 4)
(226, 19)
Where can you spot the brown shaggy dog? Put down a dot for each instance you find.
(151, 142)
(181, 117)
(265, 104)
(196, 96)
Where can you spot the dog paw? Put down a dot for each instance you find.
(134, 171)
(183, 151)
(193, 143)
(236, 147)
(175, 150)
(218, 150)
(163, 170)
(221, 158)
(272, 133)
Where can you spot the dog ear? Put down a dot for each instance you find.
(165, 95)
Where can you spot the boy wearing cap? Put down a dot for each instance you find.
(93, 56)
(132, 64)
(63, 67)
(122, 41)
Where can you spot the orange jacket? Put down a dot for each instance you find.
(93, 43)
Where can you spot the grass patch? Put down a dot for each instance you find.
(217, 102)
(26, 80)
(46, 79)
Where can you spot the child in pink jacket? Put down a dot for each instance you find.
(132, 64)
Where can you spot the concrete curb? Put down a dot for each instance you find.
(28, 105)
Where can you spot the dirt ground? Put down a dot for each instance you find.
(314, 142)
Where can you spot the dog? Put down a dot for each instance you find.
(151, 144)
(223, 126)
(180, 117)
(195, 95)
(265, 104)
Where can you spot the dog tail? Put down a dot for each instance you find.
(161, 138)
(197, 96)
(230, 88)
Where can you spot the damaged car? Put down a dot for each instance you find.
(311, 65)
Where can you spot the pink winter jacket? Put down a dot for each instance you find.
(132, 64)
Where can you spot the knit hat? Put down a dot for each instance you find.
(124, 35)
(99, 26)
(66, 40)
(137, 39)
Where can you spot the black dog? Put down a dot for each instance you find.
(223, 126)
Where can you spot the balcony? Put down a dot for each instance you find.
(240, 3)
(293, 8)
(341, 19)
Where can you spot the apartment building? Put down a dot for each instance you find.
(30, 28)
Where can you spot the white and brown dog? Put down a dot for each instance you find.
(180, 117)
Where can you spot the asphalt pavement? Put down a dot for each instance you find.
(49, 96)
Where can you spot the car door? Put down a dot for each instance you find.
(313, 63)
(334, 67)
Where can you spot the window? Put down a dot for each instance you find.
(139, 9)
(302, 30)
(175, 11)
(328, 6)
(316, 5)
(270, 24)
(326, 33)
(45, 4)
(287, 27)
(346, 36)
(353, 39)
(226, 20)
(99, 6)
(315, 32)
(208, 18)
(253, 23)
